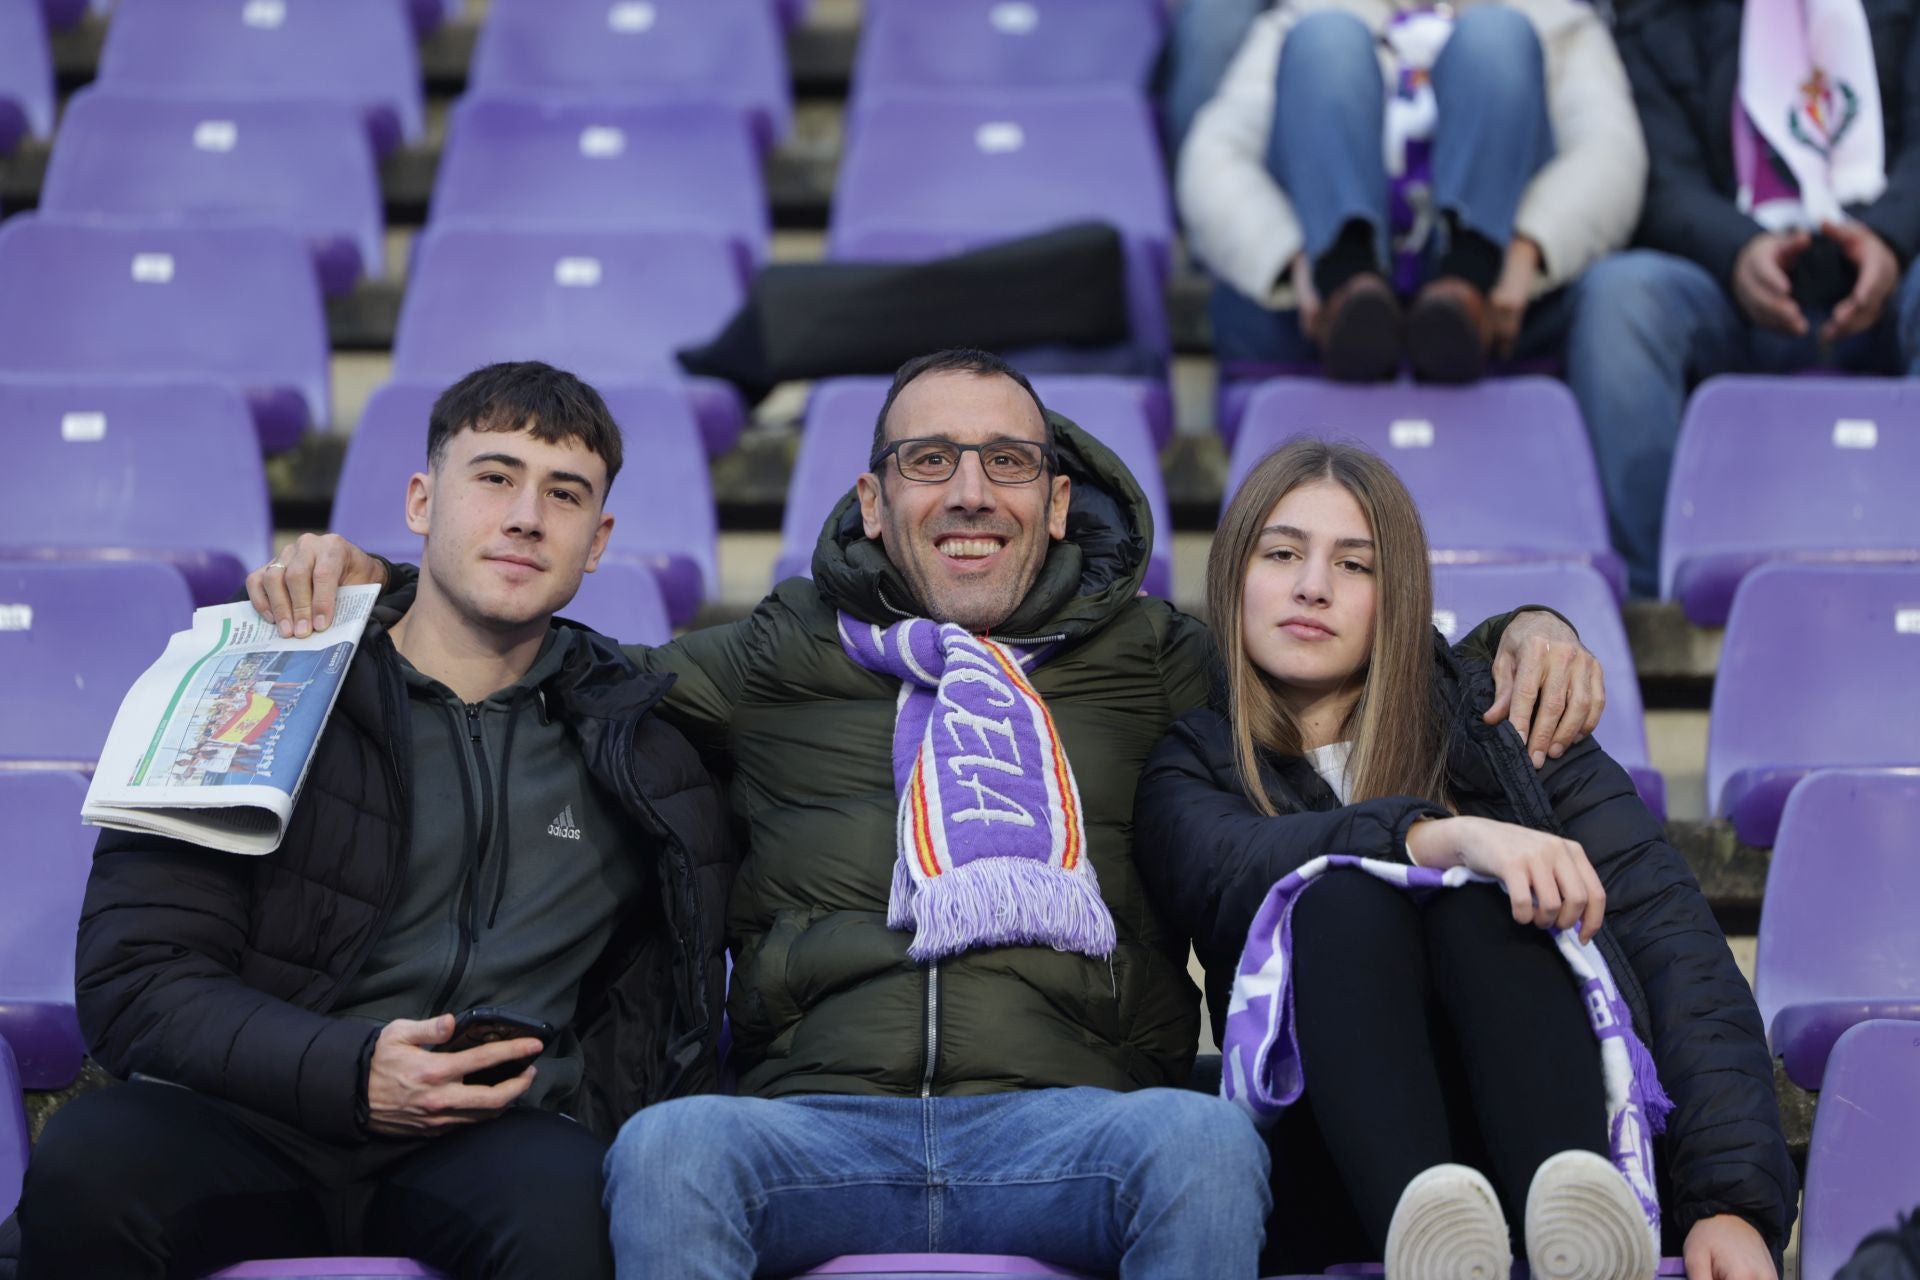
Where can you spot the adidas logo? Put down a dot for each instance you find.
(563, 827)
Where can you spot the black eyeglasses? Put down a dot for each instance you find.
(931, 461)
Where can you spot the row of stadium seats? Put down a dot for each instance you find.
(1833, 970)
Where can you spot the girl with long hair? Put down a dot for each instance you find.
(1453, 1109)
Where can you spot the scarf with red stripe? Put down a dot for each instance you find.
(992, 841)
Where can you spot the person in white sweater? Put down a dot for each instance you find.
(1383, 180)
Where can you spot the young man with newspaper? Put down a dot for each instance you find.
(494, 825)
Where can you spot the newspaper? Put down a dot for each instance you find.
(213, 741)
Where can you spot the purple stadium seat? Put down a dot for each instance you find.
(304, 166)
(44, 856)
(1502, 469)
(1836, 923)
(725, 51)
(838, 438)
(328, 1269)
(1788, 469)
(1463, 594)
(238, 306)
(933, 173)
(61, 14)
(14, 1145)
(662, 501)
(610, 306)
(1863, 1165)
(609, 167)
(1820, 670)
(118, 471)
(26, 74)
(357, 51)
(73, 638)
(1007, 44)
(930, 1266)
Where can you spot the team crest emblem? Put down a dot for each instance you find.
(1826, 110)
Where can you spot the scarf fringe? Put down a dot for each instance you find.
(1655, 1104)
(1002, 902)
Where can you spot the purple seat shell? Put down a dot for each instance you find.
(1009, 44)
(327, 1269)
(44, 857)
(1863, 1165)
(13, 1132)
(928, 1266)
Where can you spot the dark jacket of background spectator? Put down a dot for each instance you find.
(1683, 57)
(216, 971)
(1208, 857)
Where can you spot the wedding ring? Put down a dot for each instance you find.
(275, 564)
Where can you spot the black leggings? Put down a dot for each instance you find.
(1430, 1032)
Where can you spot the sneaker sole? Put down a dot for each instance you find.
(1584, 1222)
(1448, 1226)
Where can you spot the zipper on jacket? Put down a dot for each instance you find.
(933, 1029)
(474, 759)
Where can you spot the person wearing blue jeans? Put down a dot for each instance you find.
(1204, 36)
(1535, 171)
(1161, 1182)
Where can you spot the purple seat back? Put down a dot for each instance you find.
(1836, 923)
(1501, 470)
(1465, 594)
(61, 14)
(1863, 1165)
(838, 439)
(929, 1266)
(662, 501)
(726, 51)
(1007, 44)
(238, 306)
(73, 638)
(611, 167)
(328, 1269)
(1788, 468)
(44, 857)
(14, 1146)
(357, 51)
(934, 173)
(610, 306)
(26, 74)
(109, 470)
(303, 166)
(1820, 669)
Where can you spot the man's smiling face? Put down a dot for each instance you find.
(969, 548)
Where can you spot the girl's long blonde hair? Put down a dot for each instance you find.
(1399, 737)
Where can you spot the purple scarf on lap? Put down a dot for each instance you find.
(992, 839)
(1261, 1057)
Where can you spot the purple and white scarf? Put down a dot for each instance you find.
(991, 836)
(1261, 1069)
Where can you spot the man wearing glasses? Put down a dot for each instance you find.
(957, 1023)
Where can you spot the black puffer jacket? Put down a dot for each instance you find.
(217, 971)
(1209, 857)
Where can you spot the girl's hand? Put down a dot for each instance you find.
(1549, 880)
(1726, 1247)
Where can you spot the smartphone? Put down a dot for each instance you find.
(486, 1024)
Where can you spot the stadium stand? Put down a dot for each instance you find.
(240, 306)
(26, 74)
(73, 637)
(1788, 468)
(672, 166)
(1501, 469)
(1837, 921)
(1863, 1168)
(302, 166)
(14, 1144)
(1008, 44)
(1464, 593)
(661, 502)
(611, 306)
(102, 470)
(726, 51)
(1817, 672)
(44, 855)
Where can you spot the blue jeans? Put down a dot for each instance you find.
(1493, 135)
(1200, 46)
(1646, 328)
(1158, 1183)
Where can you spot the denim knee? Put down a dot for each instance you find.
(1186, 1136)
(1629, 297)
(1496, 49)
(673, 1143)
(1331, 40)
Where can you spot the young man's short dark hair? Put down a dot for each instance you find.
(527, 395)
(952, 360)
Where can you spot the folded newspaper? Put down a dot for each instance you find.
(213, 741)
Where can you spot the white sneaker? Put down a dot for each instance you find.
(1585, 1223)
(1448, 1226)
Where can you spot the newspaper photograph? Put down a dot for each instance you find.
(213, 741)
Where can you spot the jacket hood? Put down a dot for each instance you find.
(1097, 567)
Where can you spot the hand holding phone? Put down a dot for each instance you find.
(486, 1024)
(415, 1090)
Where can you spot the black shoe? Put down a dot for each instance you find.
(1447, 332)
(1360, 331)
